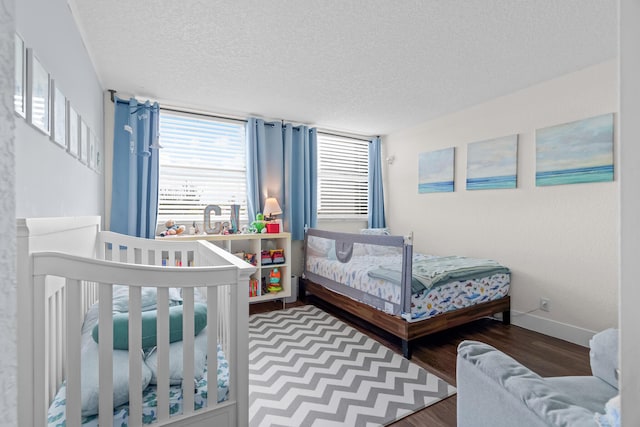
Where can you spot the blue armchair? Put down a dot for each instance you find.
(495, 390)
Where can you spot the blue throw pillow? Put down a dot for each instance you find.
(149, 330)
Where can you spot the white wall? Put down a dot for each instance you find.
(629, 209)
(560, 242)
(49, 182)
(8, 302)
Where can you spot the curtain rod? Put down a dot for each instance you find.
(175, 110)
(112, 92)
(343, 136)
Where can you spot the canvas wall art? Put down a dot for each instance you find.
(576, 152)
(73, 131)
(435, 171)
(40, 92)
(492, 164)
(19, 97)
(84, 142)
(59, 128)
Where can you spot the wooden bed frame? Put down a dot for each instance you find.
(399, 327)
(373, 309)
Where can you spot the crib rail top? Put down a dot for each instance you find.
(115, 272)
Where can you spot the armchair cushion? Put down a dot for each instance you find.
(603, 356)
(527, 397)
(584, 391)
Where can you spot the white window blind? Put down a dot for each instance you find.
(343, 168)
(202, 162)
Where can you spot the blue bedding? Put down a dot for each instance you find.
(432, 272)
(56, 416)
(89, 369)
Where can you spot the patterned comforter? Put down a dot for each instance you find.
(425, 303)
(56, 416)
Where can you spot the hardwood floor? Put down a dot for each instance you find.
(437, 353)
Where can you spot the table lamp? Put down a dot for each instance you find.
(271, 209)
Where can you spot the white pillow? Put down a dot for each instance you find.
(175, 360)
(319, 246)
(148, 298)
(378, 250)
(360, 249)
(375, 231)
(90, 386)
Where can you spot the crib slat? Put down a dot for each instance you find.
(54, 341)
(73, 362)
(51, 342)
(162, 326)
(187, 351)
(224, 310)
(232, 343)
(105, 337)
(40, 404)
(63, 328)
(59, 340)
(135, 357)
(212, 346)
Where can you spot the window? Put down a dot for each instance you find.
(343, 168)
(202, 162)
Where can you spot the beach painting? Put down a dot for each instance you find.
(435, 171)
(492, 164)
(575, 152)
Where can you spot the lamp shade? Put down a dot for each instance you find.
(271, 207)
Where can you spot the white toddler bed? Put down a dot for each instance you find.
(66, 265)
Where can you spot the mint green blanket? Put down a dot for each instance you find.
(432, 272)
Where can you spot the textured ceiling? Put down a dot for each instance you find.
(362, 66)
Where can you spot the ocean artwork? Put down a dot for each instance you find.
(435, 171)
(575, 152)
(492, 164)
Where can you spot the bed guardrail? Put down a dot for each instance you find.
(343, 245)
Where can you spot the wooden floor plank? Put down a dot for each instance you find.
(437, 353)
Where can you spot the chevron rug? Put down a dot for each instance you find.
(307, 368)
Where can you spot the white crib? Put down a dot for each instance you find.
(65, 265)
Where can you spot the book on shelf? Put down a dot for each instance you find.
(255, 290)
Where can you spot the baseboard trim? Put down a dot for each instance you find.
(552, 328)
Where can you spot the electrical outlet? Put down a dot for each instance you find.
(545, 304)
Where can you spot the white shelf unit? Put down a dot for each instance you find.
(254, 243)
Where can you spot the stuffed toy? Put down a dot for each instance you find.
(274, 281)
(258, 226)
(172, 228)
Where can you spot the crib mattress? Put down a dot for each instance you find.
(424, 304)
(56, 415)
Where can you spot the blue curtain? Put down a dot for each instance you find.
(265, 164)
(281, 163)
(301, 178)
(376, 194)
(134, 202)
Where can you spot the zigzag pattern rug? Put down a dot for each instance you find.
(307, 368)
